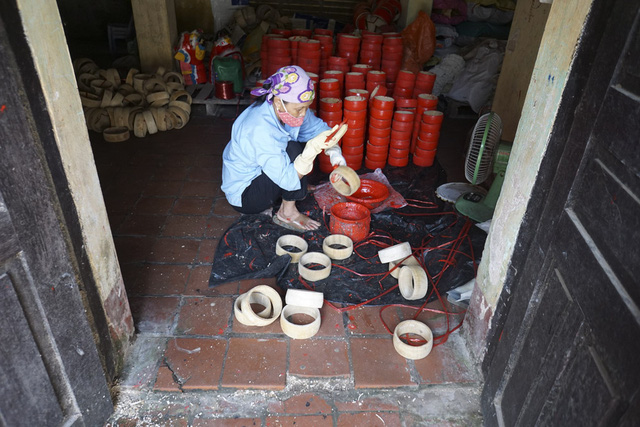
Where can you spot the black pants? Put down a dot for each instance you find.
(263, 193)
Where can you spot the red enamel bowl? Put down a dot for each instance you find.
(371, 193)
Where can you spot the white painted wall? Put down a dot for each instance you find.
(555, 57)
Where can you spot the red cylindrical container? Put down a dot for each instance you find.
(379, 133)
(424, 145)
(356, 115)
(330, 93)
(430, 102)
(401, 144)
(362, 93)
(331, 116)
(323, 31)
(403, 116)
(398, 152)
(355, 103)
(394, 161)
(352, 150)
(400, 135)
(429, 127)
(402, 126)
(379, 123)
(355, 161)
(425, 80)
(428, 137)
(361, 68)
(329, 84)
(370, 164)
(331, 104)
(348, 141)
(381, 114)
(377, 157)
(302, 32)
(350, 219)
(375, 140)
(383, 103)
(281, 31)
(379, 90)
(425, 161)
(433, 117)
(356, 131)
(377, 149)
(406, 103)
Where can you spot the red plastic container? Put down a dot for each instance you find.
(403, 116)
(377, 157)
(355, 103)
(433, 117)
(394, 161)
(356, 131)
(352, 150)
(331, 104)
(424, 161)
(379, 123)
(429, 127)
(379, 132)
(425, 145)
(381, 114)
(371, 164)
(383, 103)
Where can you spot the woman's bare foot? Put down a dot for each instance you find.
(289, 214)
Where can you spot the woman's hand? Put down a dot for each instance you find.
(304, 162)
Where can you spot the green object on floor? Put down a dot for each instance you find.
(228, 69)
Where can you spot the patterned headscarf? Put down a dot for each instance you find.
(290, 83)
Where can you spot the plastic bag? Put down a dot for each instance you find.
(419, 40)
(228, 69)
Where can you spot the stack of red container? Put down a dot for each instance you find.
(264, 54)
(309, 56)
(426, 102)
(400, 144)
(424, 83)
(355, 113)
(391, 60)
(326, 50)
(427, 141)
(380, 117)
(371, 50)
(354, 80)
(279, 54)
(404, 85)
(331, 113)
(376, 78)
(339, 76)
(349, 47)
(329, 88)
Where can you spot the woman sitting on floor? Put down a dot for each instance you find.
(267, 158)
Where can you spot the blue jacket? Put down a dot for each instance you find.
(259, 144)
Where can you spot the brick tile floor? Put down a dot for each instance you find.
(194, 364)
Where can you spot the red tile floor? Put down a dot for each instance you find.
(193, 364)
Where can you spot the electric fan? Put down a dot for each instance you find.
(485, 155)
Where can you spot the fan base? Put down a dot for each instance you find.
(472, 205)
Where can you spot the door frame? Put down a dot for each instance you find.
(56, 124)
(567, 142)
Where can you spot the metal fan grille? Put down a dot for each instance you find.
(480, 156)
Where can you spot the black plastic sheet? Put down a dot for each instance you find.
(247, 250)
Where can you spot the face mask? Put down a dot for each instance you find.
(289, 119)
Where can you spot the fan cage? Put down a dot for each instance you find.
(483, 157)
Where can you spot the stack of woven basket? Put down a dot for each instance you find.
(142, 103)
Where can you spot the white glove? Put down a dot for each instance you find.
(335, 156)
(304, 162)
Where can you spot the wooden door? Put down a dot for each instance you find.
(564, 350)
(50, 371)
